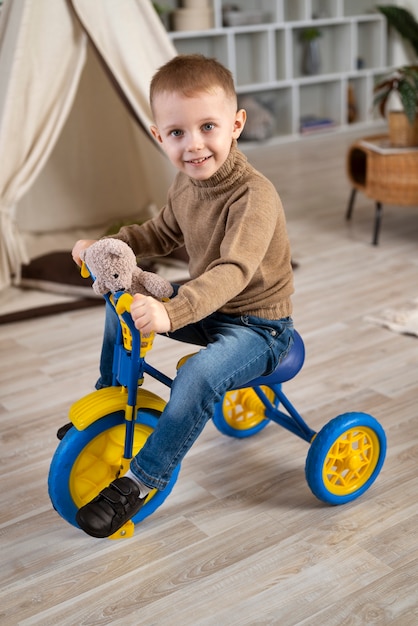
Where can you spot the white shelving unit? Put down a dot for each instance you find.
(266, 58)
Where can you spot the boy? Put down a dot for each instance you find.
(237, 304)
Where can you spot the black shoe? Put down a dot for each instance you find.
(111, 509)
(61, 432)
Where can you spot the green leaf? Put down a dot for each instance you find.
(403, 21)
(380, 100)
(408, 97)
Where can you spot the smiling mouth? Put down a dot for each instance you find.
(198, 161)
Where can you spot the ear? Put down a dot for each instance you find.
(155, 133)
(239, 123)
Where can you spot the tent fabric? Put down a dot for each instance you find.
(45, 48)
(103, 169)
(40, 86)
(121, 32)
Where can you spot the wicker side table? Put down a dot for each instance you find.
(385, 175)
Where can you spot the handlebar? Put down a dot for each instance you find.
(121, 302)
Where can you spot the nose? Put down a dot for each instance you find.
(195, 141)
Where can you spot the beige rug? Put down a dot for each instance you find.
(404, 320)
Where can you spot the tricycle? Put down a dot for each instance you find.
(109, 426)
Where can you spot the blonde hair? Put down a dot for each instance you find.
(190, 74)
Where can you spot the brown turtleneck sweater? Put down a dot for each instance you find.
(234, 230)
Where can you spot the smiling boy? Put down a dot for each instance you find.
(237, 304)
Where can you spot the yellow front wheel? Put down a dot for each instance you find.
(86, 461)
(101, 460)
(345, 458)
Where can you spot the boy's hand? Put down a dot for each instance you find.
(149, 314)
(80, 245)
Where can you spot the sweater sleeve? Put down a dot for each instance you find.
(155, 237)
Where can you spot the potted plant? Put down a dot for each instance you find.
(311, 59)
(402, 82)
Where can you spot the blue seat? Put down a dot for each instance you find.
(287, 369)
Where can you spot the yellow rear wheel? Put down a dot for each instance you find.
(345, 457)
(241, 413)
(351, 460)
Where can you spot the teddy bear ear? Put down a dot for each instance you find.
(114, 246)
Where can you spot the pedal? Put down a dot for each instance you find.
(125, 532)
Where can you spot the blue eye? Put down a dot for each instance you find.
(208, 126)
(176, 133)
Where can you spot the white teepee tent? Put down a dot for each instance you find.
(74, 116)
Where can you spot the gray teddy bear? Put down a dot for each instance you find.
(112, 264)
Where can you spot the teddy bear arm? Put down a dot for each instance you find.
(156, 285)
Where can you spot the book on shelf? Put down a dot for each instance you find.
(382, 145)
(313, 124)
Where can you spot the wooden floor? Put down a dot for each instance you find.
(241, 540)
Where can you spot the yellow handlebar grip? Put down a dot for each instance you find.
(124, 303)
(146, 343)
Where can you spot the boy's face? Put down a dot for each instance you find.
(196, 132)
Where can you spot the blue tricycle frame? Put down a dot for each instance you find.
(109, 426)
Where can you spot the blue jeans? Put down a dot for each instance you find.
(237, 349)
